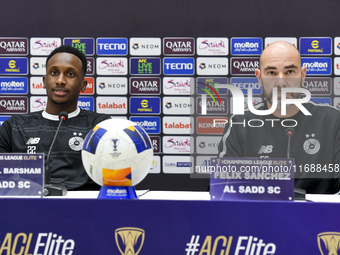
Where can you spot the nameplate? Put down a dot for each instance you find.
(21, 174)
(251, 179)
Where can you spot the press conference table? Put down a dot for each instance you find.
(163, 222)
(186, 195)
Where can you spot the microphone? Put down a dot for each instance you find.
(289, 132)
(54, 189)
(299, 194)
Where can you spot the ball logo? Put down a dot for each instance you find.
(129, 240)
(114, 143)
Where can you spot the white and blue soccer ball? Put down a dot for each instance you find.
(117, 152)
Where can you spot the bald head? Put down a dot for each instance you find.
(280, 49)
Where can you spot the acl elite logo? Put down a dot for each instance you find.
(329, 242)
(129, 240)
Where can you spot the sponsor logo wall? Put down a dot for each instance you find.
(159, 83)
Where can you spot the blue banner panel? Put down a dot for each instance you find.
(144, 227)
(246, 46)
(179, 66)
(316, 46)
(145, 105)
(12, 66)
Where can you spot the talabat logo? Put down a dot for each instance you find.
(13, 85)
(212, 66)
(85, 45)
(17, 66)
(317, 66)
(178, 86)
(13, 46)
(111, 86)
(337, 66)
(178, 125)
(112, 105)
(145, 66)
(145, 105)
(151, 125)
(86, 103)
(212, 46)
(13, 105)
(112, 66)
(245, 83)
(179, 46)
(44, 46)
(315, 45)
(37, 86)
(145, 46)
(318, 86)
(246, 46)
(112, 46)
(140, 86)
(38, 65)
(178, 66)
(244, 66)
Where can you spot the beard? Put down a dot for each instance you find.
(269, 96)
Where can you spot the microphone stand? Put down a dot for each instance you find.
(299, 194)
(49, 188)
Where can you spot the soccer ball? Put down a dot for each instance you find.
(117, 152)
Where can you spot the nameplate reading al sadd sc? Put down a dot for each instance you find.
(21, 174)
(251, 179)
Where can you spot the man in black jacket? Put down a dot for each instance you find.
(315, 144)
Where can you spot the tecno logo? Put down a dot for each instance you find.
(178, 66)
(111, 46)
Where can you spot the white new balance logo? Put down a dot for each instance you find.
(34, 140)
(266, 149)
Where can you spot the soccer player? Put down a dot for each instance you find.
(34, 132)
(315, 144)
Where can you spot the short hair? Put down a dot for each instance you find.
(71, 50)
